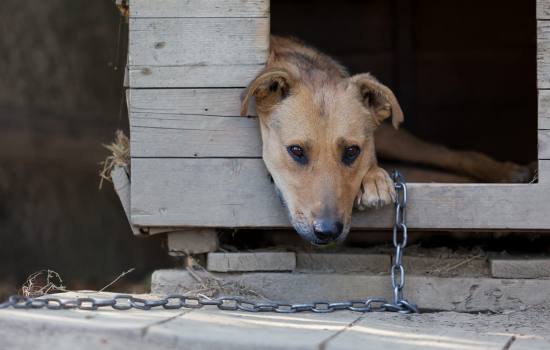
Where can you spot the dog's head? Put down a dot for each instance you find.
(318, 144)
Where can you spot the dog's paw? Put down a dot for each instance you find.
(515, 173)
(376, 190)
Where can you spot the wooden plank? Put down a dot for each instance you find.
(191, 123)
(213, 102)
(196, 52)
(543, 54)
(193, 75)
(199, 8)
(544, 110)
(167, 135)
(544, 144)
(543, 9)
(198, 41)
(238, 193)
(544, 172)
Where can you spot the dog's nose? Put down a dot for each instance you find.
(327, 230)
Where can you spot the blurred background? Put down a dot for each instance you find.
(61, 98)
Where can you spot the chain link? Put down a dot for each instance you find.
(233, 303)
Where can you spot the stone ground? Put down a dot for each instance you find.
(210, 328)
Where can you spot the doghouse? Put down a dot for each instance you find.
(196, 165)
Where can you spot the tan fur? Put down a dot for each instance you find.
(305, 98)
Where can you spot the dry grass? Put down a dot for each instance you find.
(211, 286)
(42, 282)
(120, 156)
(45, 282)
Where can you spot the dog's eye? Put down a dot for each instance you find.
(297, 153)
(350, 154)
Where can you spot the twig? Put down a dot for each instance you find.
(447, 269)
(116, 279)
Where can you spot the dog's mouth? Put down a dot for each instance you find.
(305, 229)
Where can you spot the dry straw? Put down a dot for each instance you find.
(120, 156)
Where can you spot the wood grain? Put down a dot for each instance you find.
(198, 41)
(543, 54)
(544, 172)
(185, 47)
(191, 123)
(214, 102)
(238, 193)
(544, 144)
(199, 8)
(544, 110)
(193, 76)
(167, 135)
(543, 9)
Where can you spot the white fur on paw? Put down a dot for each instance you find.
(376, 190)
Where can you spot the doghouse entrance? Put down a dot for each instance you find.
(464, 71)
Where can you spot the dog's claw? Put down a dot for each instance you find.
(376, 190)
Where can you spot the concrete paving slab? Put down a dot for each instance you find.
(251, 261)
(449, 330)
(214, 329)
(520, 268)
(374, 334)
(343, 262)
(463, 294)
(447, 266)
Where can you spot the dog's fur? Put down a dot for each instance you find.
(304, 98)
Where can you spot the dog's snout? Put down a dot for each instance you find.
(327, 230)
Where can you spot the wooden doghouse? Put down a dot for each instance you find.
(196, 165)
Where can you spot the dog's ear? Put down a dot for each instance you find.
(268, 88)
(379, 98)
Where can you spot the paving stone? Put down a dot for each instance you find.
(343, 262)
(254, 261)
(520, 268)
(464, 294)
(447, 267)
(214, 329)
(372, 334)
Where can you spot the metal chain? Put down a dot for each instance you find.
(397, 271)
(176, 301)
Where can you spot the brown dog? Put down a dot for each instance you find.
(318, 126)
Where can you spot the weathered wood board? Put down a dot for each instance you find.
(543, 54)
(199, 8)
(543, 9)
(159, 135)
(544, 144)
(238, 193)
(211, 102)
(544, 110)
(544, 173)
(191, 123)
(194, 75)
(198, 52)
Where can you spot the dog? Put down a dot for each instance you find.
(320, 128)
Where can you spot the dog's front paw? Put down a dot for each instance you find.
(376, 190)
